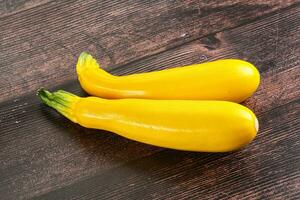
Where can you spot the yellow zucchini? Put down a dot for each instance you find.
(228, 80)
(208, 126)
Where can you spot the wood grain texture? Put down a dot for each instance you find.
(45, 156)
(271, 44)
(10, 7)
(45, 41)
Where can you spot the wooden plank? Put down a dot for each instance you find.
(266, 169)
(271, 44)
(45, 151)
(44, 42)
(10, 7)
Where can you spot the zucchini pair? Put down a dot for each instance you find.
(192, 108)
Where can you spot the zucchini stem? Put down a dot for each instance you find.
(86, 61)
(60, 100)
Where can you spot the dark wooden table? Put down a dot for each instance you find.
(45, 156)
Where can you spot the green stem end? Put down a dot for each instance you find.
(86, 61)
(60, 100)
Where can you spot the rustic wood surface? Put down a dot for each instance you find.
(45, 156)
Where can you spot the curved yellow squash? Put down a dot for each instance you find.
(208, 126)
(228, 80)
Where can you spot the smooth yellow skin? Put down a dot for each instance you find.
(207, 126)
(228, 80)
